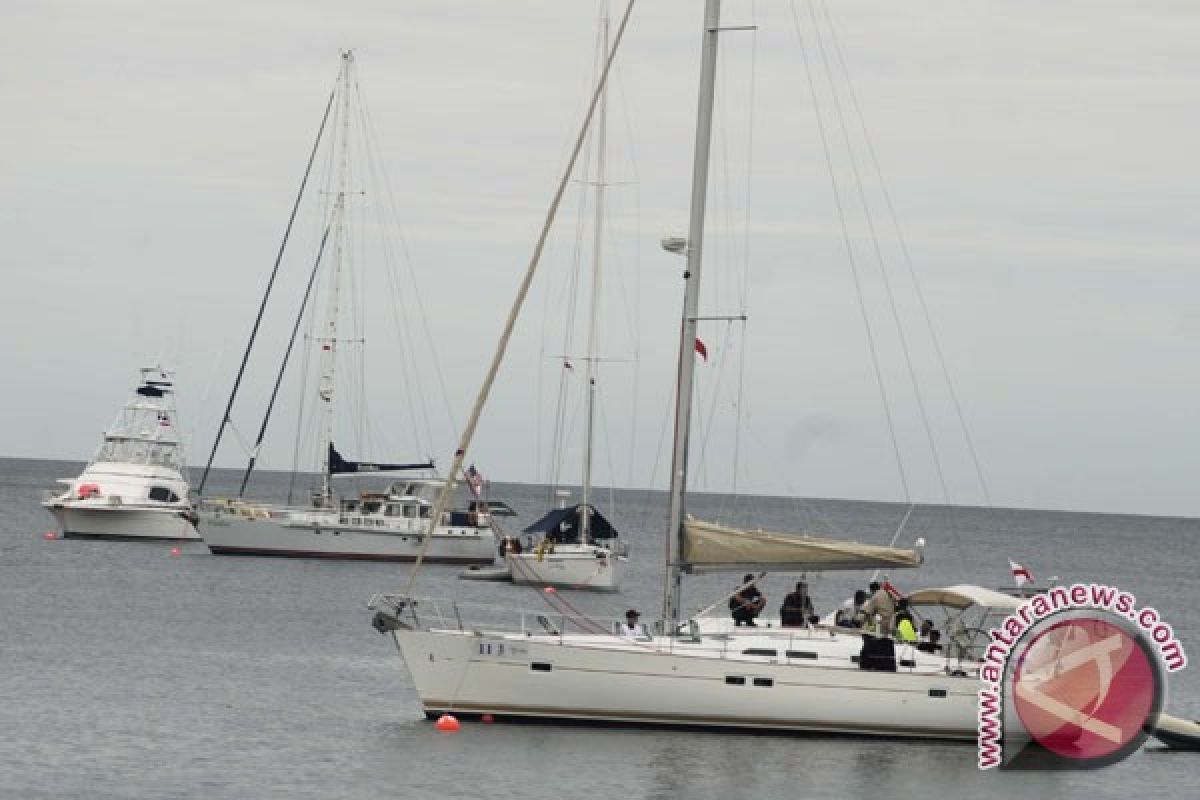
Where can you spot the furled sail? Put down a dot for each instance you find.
(340, 466)
(708, 547)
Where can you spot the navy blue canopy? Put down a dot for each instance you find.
(562, 524)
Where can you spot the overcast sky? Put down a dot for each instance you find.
(1040, 159)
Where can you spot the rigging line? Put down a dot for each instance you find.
(853, 263)
(908, 262)
(393, 207)
(803, 503)
(878, 251)
(502, 346)
(305, 363)
(571, 303)
(896, 535)
(237, 382)
(714, 399)
(571, 312)
(636, 326)
(745, 288)
(554, 599)
(417, 407)
(287, 353)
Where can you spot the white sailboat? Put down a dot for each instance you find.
(564, 666)
(576, 546)
(390, 524)
(134, 487)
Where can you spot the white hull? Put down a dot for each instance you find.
(576, 567)
(235, 534)
(100, 522)
(608, 679)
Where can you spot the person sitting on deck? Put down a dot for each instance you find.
(797, 609)
(746, 603)
(631, 628)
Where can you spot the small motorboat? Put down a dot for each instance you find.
(477, 573)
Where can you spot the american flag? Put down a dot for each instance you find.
(474, 480)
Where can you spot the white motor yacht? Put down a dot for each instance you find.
(134, 487)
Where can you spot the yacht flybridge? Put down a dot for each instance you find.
(134, 487)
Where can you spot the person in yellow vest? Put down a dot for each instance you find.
(905, 632)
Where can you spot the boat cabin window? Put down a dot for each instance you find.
(426, 512)
(409, 511)
(760, 651)
(801, 654)
(349, 505)
(371, 507)
(163, 495)
(393, 510)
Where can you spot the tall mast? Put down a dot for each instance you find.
(329, 340)
(691, 303)
(585, 522)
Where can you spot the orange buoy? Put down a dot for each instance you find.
(549, 590)
(175, 551)
(487, 718)
(447, 723)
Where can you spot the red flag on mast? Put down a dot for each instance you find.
(701, 349)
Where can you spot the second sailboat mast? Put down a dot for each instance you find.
(585, 523)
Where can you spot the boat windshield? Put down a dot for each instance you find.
(141, 451)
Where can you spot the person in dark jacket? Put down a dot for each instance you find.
(746, 603)
(797, 608)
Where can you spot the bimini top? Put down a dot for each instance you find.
(562, 524)
(963, 596)
(708, 547)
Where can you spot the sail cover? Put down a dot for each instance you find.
(340, 466)
(562, 525)
(708, 547)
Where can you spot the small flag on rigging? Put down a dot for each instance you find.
(701, 350)
(1021, 575)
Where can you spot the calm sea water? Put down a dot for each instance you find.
(126, 672)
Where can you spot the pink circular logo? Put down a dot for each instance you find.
(1085, 687)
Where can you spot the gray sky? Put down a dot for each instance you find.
(1039, 158)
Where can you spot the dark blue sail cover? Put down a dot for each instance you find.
(562, 525)
(340, 466)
